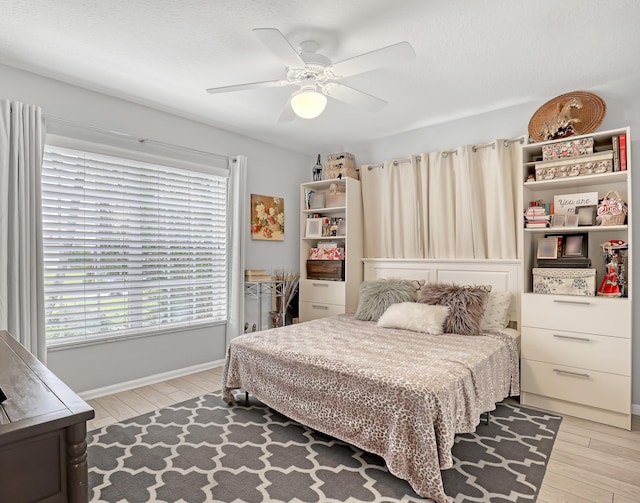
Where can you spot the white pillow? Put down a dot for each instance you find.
(415, 316)
(496, 313)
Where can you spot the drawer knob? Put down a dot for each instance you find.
(315, 306)
(572, 337)
(575, 374)
(320, 284)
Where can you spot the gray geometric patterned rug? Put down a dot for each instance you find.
(202, 451)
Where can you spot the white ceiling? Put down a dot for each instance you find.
(472, 56)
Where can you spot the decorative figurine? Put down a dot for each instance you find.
(317, 170)
(561, 125)
(613, 252)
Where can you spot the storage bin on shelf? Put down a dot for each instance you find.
(336, 200)
(340, 165)
(567, 148)
(574, 167)
(325, 270)
(564, 281)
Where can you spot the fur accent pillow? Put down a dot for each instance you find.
(376, 296)
(416, 317)
(496, 314)
(466, 303)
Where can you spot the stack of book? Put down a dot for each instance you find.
(536, 216)
(619, 152)
(256, 275)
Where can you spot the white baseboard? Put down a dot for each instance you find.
(146, 381)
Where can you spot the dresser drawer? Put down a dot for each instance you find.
(593, 315)
(588, 351)
(323, 292)
(314, 310)
(587, 387)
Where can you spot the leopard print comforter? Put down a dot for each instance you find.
(399, 394)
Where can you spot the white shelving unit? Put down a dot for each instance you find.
(320, 298)
(576, 350)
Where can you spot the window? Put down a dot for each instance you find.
(130, 247)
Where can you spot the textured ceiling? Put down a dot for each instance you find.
(472, 56)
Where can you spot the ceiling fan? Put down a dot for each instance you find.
(317, 77)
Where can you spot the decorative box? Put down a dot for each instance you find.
(326, 254)
(567, 148)
(547, 172)
(564, 281)
(336, 200)
(340, 165)
(325, 269)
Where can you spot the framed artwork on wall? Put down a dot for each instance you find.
(267, 218)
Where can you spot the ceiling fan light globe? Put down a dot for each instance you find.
(308, 104)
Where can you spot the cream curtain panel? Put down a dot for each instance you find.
(22, 136)
(391, 208)
(494, 172)
(459, 204)
(237, 202)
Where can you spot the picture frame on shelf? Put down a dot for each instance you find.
(547, 248)
(557, 220)
(586, 214)
(317, 201)
(560, 239)
(571, 220)
(313, 228)
(575, 245)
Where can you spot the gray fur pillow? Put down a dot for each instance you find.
(466, 304)
(376, 296)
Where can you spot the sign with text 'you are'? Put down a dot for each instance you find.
(566, 204)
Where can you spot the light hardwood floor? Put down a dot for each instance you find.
(590, 462)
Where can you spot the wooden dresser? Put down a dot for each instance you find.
(43, 449)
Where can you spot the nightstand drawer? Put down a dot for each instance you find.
(587, 387)
(323, 292)
(314, 310)
(593, 315)
(596, 352)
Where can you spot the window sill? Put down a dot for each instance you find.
(57, 345)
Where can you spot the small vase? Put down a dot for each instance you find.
(276, 319)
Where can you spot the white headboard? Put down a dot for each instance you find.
(500, 274)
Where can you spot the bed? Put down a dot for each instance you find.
(401, 394)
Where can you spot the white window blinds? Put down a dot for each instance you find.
(130, 247)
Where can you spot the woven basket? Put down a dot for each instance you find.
(589, 116)
(612, 210)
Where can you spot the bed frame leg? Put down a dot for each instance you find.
(246, 398)
(488, 417)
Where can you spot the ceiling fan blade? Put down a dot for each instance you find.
(252, 85)
(392, 54)
(280, 46)
(352, 96)
(287, 114)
